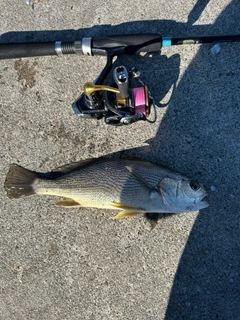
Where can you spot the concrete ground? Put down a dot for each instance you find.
(79, 264)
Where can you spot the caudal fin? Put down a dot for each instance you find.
(19, 182)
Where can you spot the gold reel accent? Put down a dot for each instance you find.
(90, 88)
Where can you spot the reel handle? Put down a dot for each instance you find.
(89, 88)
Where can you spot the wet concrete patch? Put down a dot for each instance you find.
(26, 72)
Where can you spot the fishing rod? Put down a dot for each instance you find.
(127, 99)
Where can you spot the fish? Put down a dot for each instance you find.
(133, 186)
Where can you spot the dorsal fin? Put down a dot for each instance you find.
(60, 171)
(75, 165)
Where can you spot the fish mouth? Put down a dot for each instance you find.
(203, 203)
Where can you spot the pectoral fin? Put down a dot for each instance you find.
(140, 179)
(153, 224)
(68, 203)
(153, 218)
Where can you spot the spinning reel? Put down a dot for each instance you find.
(123, 102)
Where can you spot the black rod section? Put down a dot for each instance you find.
(134, 43)
(22, 50)
(205, 39)
(37, 49)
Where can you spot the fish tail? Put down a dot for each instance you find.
(19, 182)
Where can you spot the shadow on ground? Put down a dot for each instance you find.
(204, 137)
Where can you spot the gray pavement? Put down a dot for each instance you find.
(80, 264)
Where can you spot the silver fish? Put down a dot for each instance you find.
(131, 185)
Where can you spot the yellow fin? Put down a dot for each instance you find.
(127, 211)
(68, 203)
(121, 206)
(126, 214)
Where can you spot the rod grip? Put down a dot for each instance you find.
(23, 50)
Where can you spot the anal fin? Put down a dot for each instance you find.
(68, 203)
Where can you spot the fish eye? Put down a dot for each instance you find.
(194, 185)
